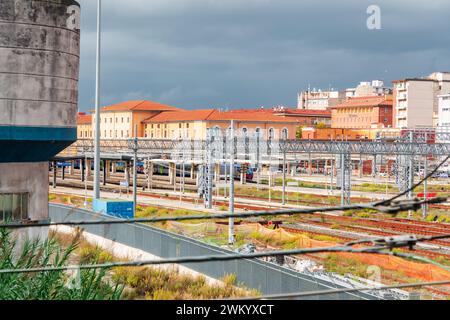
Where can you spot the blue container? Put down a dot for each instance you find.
(116, 208)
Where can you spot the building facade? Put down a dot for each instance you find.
(84, 126)
(118, 121)
(416, 100)
(196, 123)
(305, 117)
(372, 88)
(363, 113)
(318, 99)
(444, 111)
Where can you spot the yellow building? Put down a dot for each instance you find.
(194, 124)
(84, 126)
(118, 121)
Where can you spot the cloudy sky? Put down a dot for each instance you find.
(250, 53)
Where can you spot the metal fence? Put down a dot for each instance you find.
(266, 277)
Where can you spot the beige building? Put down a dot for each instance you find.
(84, 126)
(416, 100)
(363, 113)
(318, 99)
(194, 124)
(119, 120)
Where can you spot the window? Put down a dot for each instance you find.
(13, 206)
(187, 125)
(244, 132)
(128, 119)
(271, 133)
(110, 120)
(122, 119)
(179, 125)
(284, 133)
(258, 132)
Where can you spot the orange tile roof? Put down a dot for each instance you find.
(369, 101)
(83, 118)
(255, 116)
(306, 112)
(139, 105)
(216, 115)
(176, 116)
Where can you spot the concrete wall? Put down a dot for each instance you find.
(39, 61)
(29, 178)
(421, 96)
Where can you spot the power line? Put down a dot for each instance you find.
(386, 244)
(395, 207)
(384, 202)
(336, 291)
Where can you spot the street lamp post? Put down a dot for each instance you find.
(97, 108)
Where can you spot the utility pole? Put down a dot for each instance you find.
(97, 107)
(135, 159)
(231, 200)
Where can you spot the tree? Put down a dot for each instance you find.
(321, 125)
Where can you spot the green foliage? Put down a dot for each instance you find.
(51, 285)
(157, 283)
(321, 125)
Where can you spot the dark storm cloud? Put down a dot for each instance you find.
(248, 53)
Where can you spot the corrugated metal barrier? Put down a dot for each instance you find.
(267, 277)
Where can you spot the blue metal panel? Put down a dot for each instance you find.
(23, 133)
(115, 208)
(33, 144)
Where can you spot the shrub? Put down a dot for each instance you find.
(49, 285)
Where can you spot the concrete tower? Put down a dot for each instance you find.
(39, 63)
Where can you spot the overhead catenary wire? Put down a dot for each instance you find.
(347, 290)
(377, 249)
(412, 188)
(381, 206)
(395, 208)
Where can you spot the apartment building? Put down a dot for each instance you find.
(366, 88)
(416, 100)
(363, 113)
(119, 120)
(318, 99)
(444, 111)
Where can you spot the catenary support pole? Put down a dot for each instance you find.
(231, 200)
(135, 159)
